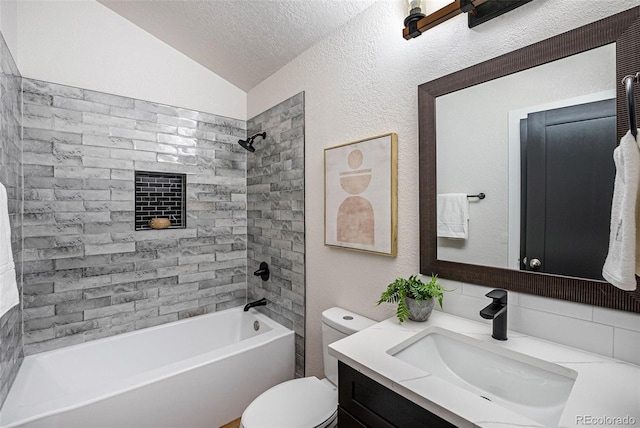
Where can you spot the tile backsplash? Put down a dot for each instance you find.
(608, 332)
(87, 272)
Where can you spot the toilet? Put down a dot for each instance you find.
(307, 402)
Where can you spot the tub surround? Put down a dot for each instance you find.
(275, 216)
(11, 177)
(603, 387)
(88, 273)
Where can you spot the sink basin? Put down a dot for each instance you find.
(526, 385)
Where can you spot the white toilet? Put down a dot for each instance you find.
(307, 402)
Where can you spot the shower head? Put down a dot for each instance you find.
(248, 143)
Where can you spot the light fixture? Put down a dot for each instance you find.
(478, 11)
(414, 10)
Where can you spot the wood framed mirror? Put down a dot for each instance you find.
(623, 29)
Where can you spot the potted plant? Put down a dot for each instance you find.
(414, 297)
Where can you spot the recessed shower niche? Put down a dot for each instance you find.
(160, 195)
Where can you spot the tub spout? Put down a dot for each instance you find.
(261, 302)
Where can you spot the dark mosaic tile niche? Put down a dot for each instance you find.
(160, 195)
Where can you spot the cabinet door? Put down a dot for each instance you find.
(376, 406)
(345, 420)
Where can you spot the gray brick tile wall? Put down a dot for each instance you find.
(275, 216)
(88, 273)
(68, 155)
(11, 354)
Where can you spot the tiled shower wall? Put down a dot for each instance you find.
(275, 215)
(87, 273)
(11, 177)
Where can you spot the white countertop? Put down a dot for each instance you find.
(604, 387)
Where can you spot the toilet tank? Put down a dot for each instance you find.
(338, 323)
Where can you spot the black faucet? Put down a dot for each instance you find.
(263, 272)
(261, 302)
(497, 311)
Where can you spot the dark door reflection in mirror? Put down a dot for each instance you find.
(623, 29)
(568, 189)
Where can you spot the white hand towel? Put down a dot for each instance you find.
(8, 287)
(622, 261)
(453, 216)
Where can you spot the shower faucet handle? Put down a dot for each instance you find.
(263, 271)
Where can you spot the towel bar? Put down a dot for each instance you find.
(479, 196)
(628, 82)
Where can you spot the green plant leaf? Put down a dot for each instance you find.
(414, 288)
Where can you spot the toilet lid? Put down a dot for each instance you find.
(298, 403)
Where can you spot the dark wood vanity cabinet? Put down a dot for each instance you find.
(362, 402)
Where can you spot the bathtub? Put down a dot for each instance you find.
(198, 372)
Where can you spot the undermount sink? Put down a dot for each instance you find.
(528, 386)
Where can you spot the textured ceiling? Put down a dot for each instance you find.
(243, 41)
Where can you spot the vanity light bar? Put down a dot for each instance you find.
(479, 11)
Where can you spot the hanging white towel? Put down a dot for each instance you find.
(622, 262)
(453, 216)
(8, 286)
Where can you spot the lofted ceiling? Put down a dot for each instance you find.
(242, 41)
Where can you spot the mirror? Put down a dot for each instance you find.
(492, 164)
(491, 143)
(497, 110)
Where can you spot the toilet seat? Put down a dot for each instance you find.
(299, 403)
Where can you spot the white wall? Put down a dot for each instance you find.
(9, 25)
(362, 81)
(84, 44)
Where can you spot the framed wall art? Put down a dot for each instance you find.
(360, 195)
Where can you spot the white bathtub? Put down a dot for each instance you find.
(198, 372)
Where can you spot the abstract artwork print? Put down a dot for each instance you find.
(361, 195)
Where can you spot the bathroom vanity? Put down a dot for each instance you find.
(449, 372)
(364, 402)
